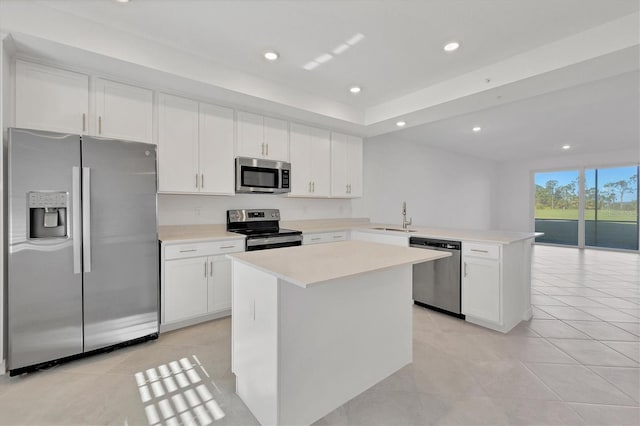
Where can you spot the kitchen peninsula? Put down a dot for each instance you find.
(314, 326)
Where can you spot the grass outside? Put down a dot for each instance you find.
(604, 215)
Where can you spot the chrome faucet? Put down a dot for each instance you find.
(405, 222)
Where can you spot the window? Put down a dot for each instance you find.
(601, 213)
(557, 207)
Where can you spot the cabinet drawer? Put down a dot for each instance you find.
(208, 248)
(324, 237)
(487, 251)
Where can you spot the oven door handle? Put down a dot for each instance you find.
(252, 242)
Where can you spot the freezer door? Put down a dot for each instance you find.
(120, 257)
(43, 270)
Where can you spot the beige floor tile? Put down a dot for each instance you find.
(591, 352)
(540, 314)
(544, 300)
(385, 408)
(474, 411)
(631, 327)
(578, 301)
(535, 413)
(601, 330)
(568, 313)
(530, 349)
(614, 302)
(630, 349)
(576, 383)
(557, 329)
(608, 314)
(517, 381)
(625, 379)
(608, 415)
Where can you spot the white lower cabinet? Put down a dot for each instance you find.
(496, 285)
(324, 237)
(196, 281)
(185, 291)
(481, 288)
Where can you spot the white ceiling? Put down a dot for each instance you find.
(596, 117)
(560, 69)
(401, 51)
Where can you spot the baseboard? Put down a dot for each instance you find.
(3, 368)
(193, 321)
(528, 314)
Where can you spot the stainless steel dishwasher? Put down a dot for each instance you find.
(437, 284)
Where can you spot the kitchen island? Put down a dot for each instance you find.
(314, 326)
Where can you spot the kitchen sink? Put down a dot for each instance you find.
(394, 229)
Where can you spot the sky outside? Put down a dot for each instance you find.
(605, 175)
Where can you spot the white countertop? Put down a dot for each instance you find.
(314, 264)
(498, 237)
(191, 233)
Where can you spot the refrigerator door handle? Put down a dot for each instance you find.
(86, 218)
(76, 233)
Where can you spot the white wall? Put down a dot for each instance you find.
(202, 209)
(442, 189)
(515, 182)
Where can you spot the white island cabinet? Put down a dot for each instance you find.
(496, 283)
(316, 325)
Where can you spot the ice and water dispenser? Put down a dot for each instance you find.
(48, 214)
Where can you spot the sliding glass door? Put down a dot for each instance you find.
(602, 212)
(557, 203)
(611, 207)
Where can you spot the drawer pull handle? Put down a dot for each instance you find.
(337, 236)
(315, 239)
(480, 251)
(187, 251)
(227, 247)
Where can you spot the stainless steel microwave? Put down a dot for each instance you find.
(262, 176)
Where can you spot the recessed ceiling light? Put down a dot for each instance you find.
(271, 55)
(122, 1)
(477, 129)
(355, 89)
(401, 123)
(565, 147)
(450, 47)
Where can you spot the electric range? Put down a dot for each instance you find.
(262, 228)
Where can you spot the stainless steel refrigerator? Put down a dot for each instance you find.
(82, 267)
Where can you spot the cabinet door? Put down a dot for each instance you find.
(354, 165)
(123, 112)
(339, 160)
(177, 145)
(51, 99)
(219, 297)
(216, 149)
(320, 161)
(481, 288)
(185, 288)
(300, 149)
(276, 138)
(250, 135)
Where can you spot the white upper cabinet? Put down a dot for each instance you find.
(216, 149)
(310, 150)
(123, 111)
(177, 144)
(51, 99)
(195, 147)
(276, 139)
(262, 137)
(346, 166)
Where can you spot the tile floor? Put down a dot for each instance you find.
(575, 362)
